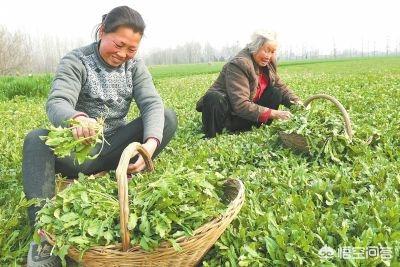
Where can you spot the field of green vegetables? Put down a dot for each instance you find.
(295, 204)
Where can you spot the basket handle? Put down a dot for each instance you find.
(346, 117)
(129, 152)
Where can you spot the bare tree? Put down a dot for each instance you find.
(362, 47)
(48, 50)
(387, 45)
(209, 53)
(229, 51)
(15, 52)
(334, 49)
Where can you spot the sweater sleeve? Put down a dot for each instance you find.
(65, 89)
(149, 102)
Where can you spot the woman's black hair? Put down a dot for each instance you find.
(121, 16)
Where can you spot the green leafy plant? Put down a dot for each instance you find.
(295, 205)
(163, 207)
(63, 143)
(322, 128)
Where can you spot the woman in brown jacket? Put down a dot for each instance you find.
(248, 90)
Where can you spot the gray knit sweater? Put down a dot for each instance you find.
(84, 82)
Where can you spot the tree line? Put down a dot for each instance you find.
(20, 54)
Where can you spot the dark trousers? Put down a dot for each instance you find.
(216, 112)
(40, 165)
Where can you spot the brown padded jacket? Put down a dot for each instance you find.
(238, 80)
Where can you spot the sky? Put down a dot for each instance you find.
(308, 23)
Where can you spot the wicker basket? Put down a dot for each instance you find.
(299, 142)
(193, 248)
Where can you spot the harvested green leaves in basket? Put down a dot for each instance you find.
(164, 206)
(322, 128)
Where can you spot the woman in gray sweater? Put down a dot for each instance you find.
(98, 80)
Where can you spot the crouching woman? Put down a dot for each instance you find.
(248, 91)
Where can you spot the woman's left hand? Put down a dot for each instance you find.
(139, 165)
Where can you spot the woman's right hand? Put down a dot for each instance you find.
(280, 114)
(86, 131)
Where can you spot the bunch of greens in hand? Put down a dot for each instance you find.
(62, 142)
